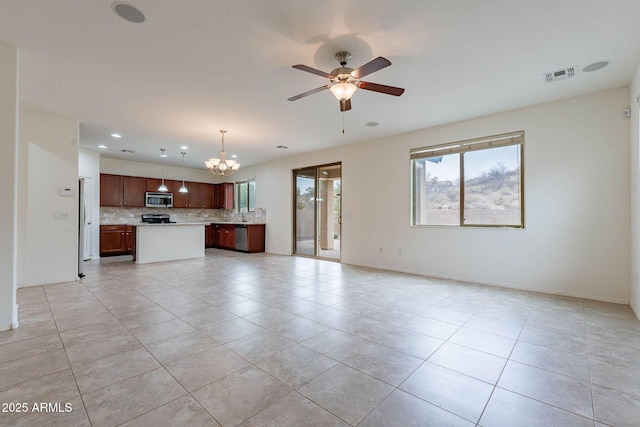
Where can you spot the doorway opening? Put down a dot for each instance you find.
(317, 212)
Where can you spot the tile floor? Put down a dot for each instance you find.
(286, 341)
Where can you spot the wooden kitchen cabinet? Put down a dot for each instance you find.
(223, 196)
(180, 200)
(110, 190)
(195, 195)
(208, 236)
(133, 191)
(255, 238)
(112, 240)
(208, 196)
(192, 199)
(129, 238)
(129, 191)
(121, 191)
(224, 236)
(117, 239)
(151, 184)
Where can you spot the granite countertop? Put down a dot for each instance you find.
(237, 223)
(145, 224)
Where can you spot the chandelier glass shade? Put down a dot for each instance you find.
(222, 166)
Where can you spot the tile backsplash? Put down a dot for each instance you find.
(112, 215)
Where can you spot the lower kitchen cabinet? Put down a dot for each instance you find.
(118, 239)
(255, 237)
(208, 236)
(224, 236)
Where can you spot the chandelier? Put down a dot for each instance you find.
(222, 166)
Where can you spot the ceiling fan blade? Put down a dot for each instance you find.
(377, 64)
(389, 90)
(345, 104)
(313, 71)
(309, 92)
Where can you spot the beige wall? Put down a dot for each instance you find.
(634, 96)
(48, 222)
(9, 178)
(576, 236)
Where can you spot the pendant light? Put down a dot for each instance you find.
(222, 166)
(184, 188)
(163, 188)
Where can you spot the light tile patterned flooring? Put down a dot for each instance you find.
(288, 341)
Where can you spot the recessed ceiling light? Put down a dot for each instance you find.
(102, 146)
(184, 147)
(161, 155)
(116, 135)
(596, 66)
(128, 12)
(372, 124)
(235, 156)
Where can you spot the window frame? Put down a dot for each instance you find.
(237, 185)
(462, 147)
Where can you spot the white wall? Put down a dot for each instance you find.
(576, 240)
(48, 222)
(89, 168)
(634, 95)
(149, 170)
(8, 177)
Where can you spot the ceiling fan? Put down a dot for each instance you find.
(344, 80)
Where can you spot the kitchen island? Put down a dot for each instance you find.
(169, 242)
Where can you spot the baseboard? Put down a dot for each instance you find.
(498, 285)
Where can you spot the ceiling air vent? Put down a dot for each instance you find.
(565, 73)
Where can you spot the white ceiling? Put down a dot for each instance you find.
(197, 66)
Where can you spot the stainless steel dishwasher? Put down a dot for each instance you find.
(241, 237)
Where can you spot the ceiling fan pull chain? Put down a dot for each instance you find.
(343, 122)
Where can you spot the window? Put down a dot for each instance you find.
(246, 196)
(469, 183)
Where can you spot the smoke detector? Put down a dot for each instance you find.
(565, 73)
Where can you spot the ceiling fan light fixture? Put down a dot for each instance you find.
(343, 90)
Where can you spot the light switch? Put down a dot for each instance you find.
(65, 191)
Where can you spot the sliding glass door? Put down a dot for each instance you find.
(317, 211)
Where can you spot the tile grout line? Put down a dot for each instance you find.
(64, 347)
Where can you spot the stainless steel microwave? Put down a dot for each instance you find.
(159, 200)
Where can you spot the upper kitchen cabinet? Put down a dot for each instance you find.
(121, 191)
(200, 195)
(110, 190)
(224, 196)
(133, 189)
(195, 195)
(208, 196)
(180, 200)
(152, 184)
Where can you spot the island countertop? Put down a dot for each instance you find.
(169, 242)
